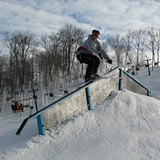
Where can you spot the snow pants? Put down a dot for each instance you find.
(92, 61)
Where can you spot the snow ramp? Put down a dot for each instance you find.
(84, 98)
(123, 127)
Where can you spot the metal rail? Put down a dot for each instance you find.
(39, 114)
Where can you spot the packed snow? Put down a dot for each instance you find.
(125, 126)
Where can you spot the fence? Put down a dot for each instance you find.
(83, 99)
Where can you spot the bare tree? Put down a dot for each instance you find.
(157, 43)
(3, 69)
(70, 37)
(128, 42)
(59, 53)
(138, 43)
(117, 44)
(50, 61)
(19, 46)
(152, 43)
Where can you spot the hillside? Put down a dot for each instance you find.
(124, 126)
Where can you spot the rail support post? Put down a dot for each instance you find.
(120, 79)
(88, 99)
(40, 124)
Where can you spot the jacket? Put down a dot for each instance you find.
(93, 48)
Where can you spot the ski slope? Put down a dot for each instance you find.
(126, 126)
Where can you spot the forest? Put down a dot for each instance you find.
(49, 61)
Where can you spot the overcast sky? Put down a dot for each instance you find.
(109, 16)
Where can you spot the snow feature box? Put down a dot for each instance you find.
(99, 91)
(77, 103)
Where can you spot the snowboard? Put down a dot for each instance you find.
(96, 79)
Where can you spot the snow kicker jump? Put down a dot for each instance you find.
(83, 99)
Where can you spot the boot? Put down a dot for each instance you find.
(91, 78)
(97, 75)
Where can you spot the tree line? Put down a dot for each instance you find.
(27, 61)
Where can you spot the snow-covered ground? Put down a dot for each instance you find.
(126, 126)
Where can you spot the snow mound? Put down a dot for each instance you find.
(123, 127)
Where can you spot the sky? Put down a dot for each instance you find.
(41, 17)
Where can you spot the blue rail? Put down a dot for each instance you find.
(121, 75)
(39, 114)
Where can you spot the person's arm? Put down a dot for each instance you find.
(104, 54)
(88, 44)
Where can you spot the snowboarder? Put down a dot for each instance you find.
(91, 53)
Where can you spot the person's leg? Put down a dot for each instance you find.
(90, 67)
(93, 64)
(97, 63)
(87, 59)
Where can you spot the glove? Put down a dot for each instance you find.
(109, 61)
